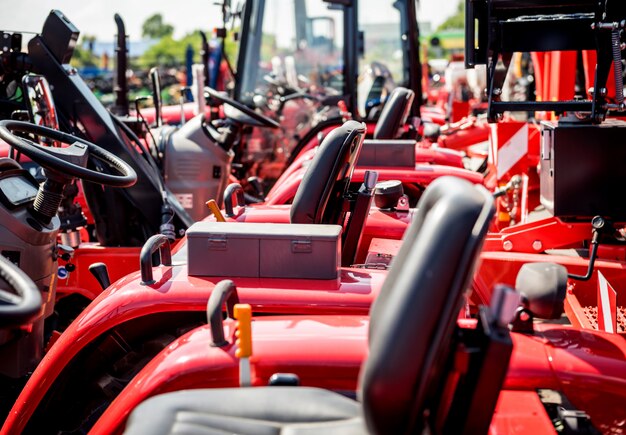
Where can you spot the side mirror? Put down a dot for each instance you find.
(156, 95)
(542, 287)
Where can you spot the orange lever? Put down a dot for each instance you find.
(243, 314)
(213, 207)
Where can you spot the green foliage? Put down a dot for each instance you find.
(169, 52)
(83, 53)
(268, 46)
(155, 28)
(456, 21)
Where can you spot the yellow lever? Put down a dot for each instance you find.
(212, 205)
(243, 314)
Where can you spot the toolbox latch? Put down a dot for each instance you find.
(217, 243)
(301, 246)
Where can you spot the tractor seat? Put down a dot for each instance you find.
(394, 113)
(275, 410)
(410, 338)
(319, 198)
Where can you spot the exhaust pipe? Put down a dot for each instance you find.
(120, 87)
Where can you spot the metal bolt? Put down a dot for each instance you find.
(507, 245)
(537, 245)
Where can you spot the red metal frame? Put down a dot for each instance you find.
(120, 262)
(421, 174)
(464, 134)
(175, 291)
(330, 352)
(422, 156)
(558, 357)
(520, 412)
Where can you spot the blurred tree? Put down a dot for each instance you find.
(169, 52)
(155, 28)
(456, 21)
(83, 53)
(89, 41)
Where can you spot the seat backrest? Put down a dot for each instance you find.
(413, 319)
(319, 198)
(394, 113)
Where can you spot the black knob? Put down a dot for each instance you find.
(101, 273)
(388, 193)
(284, 380)
(257, 185)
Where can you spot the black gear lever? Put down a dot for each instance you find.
(101, 273)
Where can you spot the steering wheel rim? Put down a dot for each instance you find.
(43, 155)
(262, 119)
(19, 308)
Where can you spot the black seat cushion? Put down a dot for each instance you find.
(264, 410)
(394, 113)
(319, 198)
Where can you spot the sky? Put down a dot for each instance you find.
(95, 17)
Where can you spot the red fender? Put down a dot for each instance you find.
(330, 352)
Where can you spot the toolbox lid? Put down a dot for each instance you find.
(264, 230)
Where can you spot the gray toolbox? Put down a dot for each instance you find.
(388, 153)
(264, 250)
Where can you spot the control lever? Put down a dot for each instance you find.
(167, 227)
(101, 273)
(257, 185)
(214, 208)
(503, 306)
(598, 225)
(243, 333)
(369, 181)
(359, 210)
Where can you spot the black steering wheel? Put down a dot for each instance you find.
(23, 303)
(68, 161)
(262, 120)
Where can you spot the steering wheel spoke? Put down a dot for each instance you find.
(262, 120)
(7, 298)
(21, 305)
(70, 161)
